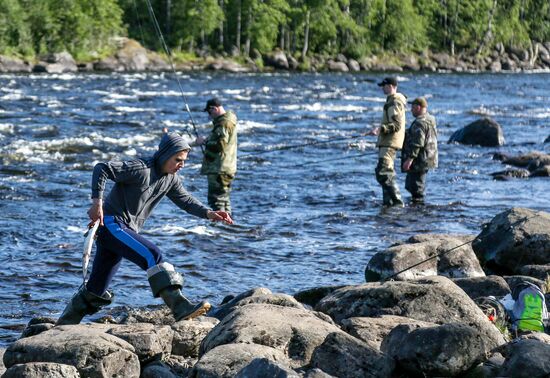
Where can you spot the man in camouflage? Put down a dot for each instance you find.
(220, 155)
(391, 134)
(420, 149)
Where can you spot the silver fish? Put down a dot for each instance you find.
(88, 243)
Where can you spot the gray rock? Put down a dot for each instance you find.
(312, 296)
(373, 330)
(292, 62)
(455, 258)
(226, 361)
(511, 173)
(295, 332)
(530, 161)
(108, 64)
(354, 65)
(337, 66)
(445, 350)
(539, 336)
(495, 66)
(514, 238)
(526, 358)
(342, 355)
(483, 286)
(277, 59)
(226, 65)
(483, 132)
(433, 299)
(541, 172)
(541, 272)
(263, 367)
(157, 369)
(14, 65)
(488, 368)
(317, 373)
(2, 367)
(132, 56)
(41, 370)
(188, 335)
(515, 280)
(149, 341)
(156, 62)
(87, 347)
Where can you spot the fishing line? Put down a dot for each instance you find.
(313, 143)
(511, 226)
(170, 60)
(327, 160)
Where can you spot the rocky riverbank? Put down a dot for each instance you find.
(131, 56)
(424, 322)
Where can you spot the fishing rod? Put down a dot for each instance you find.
(170, 60)
(327, 160)
(313, 143)
(511, 226)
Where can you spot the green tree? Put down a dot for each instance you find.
(15, 35)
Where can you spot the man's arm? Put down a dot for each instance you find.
(395, 118)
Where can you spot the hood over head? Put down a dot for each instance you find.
(170, 144)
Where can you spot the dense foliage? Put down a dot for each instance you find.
(86, 28)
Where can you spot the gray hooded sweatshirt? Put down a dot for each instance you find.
(140, 185)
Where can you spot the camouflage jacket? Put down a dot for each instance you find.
(421, 143)
(392, 130)
(220, 153)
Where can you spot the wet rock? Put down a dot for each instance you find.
(91, 351)
(547, 140)
(337, 66)
(526, 358)
(442, 351)
(447, 255)
(542, 272)
(157, 369)
(483, 132)
(483, 286)
(14, 65)
(434, 299)
(312, 296)
(295, 332)
(263, 367)
(511, 173)
(41, 370)
(531, 161)
(149, 341)
(277, 60)
(188, 335)
(514, 238)
(342, 355)
(541, 172)
(374, 330)
(226, 361)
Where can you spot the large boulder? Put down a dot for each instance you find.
(15, 65)
(312, 296)
(342, 355)
(132, 56)
(225, 361)
(41, 370)
(433, 299)
(484, 132)
(337, 66)
(483, 286)
(374, 330)
(526, 359)
(149, 341)
(295, 332)
(445, 255)
(277, 59)
(542, 272)
(264, 367)
(441, 351)
(188, 335)
(92, 351)
(514, 238)
(56, 63)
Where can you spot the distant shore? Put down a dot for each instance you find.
(132, 57)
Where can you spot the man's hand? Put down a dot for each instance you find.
(407, 164)
(96, 211)
(219, 216)
(375, 131)
(200, 140)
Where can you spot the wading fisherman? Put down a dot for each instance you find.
(220, 155)
(419, 150)
(139, 185)
(391, 134)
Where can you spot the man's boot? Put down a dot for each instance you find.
(83, 303)
(395, 196)
(167, 283)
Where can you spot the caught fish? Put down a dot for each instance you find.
(88, 243)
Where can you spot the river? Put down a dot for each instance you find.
(306, 216)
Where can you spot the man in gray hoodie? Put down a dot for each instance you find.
(139, 185)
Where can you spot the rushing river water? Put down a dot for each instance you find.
(306, 217)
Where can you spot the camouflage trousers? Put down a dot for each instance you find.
(219, 187)
(415, 183)
(385, 175)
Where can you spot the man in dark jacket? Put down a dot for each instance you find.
(139, 185)
(419, 150)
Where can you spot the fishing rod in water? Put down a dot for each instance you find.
(511, 226)
(313, 143)
(170, 60)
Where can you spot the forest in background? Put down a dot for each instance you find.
(355, 28)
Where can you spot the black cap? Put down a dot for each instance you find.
(388, 80)
(213, 102)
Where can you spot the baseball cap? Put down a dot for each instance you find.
(388, 80)
(420, 101)
(213, 102)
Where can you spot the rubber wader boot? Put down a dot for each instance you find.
(83, 303)
(167, 283)
(395, 196)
